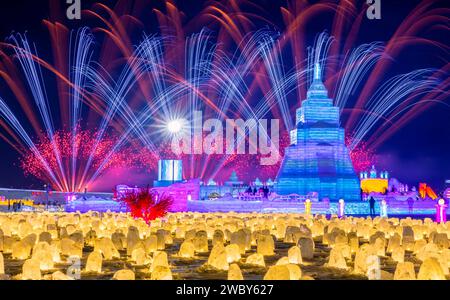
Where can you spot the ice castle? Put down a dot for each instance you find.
(317, 159)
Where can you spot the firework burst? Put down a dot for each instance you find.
(362, 156)
(83, 147)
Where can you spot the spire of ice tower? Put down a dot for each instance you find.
(317, 72)
(317, 88)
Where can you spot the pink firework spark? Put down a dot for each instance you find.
(362, 156)
(67, 155)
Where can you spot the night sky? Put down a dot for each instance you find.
(419, 152)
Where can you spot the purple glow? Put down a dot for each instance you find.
(441, 211)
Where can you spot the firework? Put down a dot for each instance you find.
(362, 156)
(81, 147)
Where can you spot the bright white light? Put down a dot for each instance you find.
(175, 126)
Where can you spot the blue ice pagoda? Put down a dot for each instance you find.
(317, 159)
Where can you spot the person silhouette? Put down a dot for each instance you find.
(372, 205)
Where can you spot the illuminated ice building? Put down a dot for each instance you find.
(317, 159)
(169, 172)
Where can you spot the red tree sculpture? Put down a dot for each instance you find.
(146, 204)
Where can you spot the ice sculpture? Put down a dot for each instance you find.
(405, 271)
(318, 159)
(187, 250)
(94, 262)
(31, 270)
(218, 258)
(234, 273)
(295, 255)
(265, 245)
(256, 260)
(124, 275)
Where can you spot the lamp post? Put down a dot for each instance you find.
(308, 207)
(441, 211)
(383, 209)
(341, 208)
(46, 186)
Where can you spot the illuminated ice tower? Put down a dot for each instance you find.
(317, 159)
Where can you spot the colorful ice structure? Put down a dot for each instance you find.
(233, 253)
(405, 271)
(295, 255)
(218, 258)
(58, 275)
(337, 260)
(374, 183)
(431, 270)
(426, 191)
(283, 272)
(161, 273)
(256, 259)
(21, 250)
(42, 253)
(306, 246)
(234, 273)
(31, 270)
(317, 159)
(169, 172)
(94, 262)
(139, 257)
(265, 245)
(2, 264)
(187, 250)
(159, 260)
